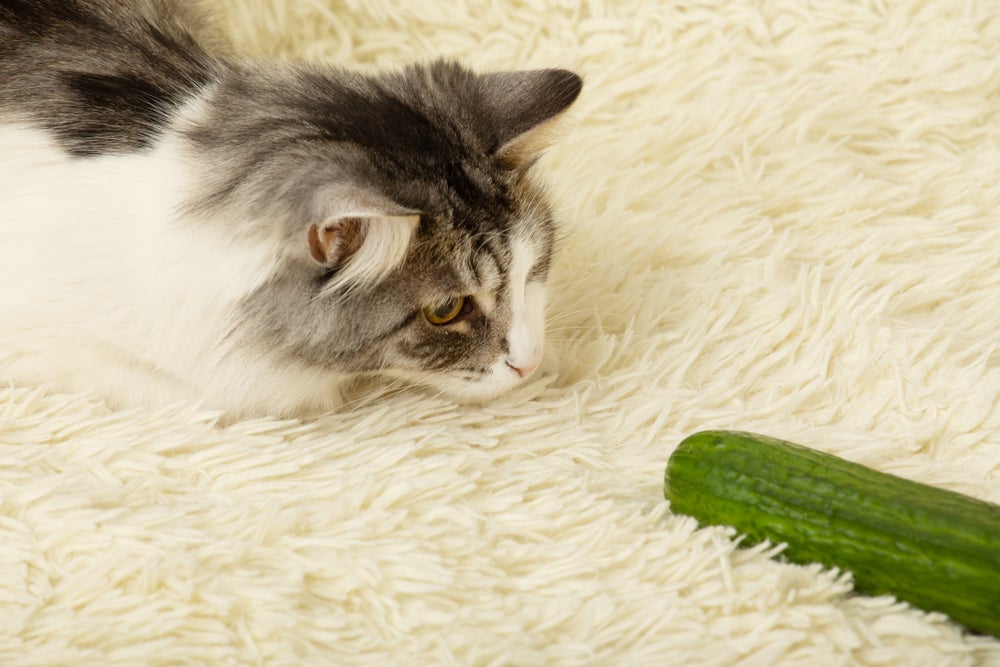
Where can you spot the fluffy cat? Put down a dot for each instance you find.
(176, 224)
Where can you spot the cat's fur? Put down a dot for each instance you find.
(181, 225)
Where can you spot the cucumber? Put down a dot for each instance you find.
(936, 549)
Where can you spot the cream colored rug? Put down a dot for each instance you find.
(780, 216)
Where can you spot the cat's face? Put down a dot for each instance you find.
(473, 319)
(462, 312)
(416, 244)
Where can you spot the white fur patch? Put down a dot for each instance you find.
(104, 290)
(528, 306)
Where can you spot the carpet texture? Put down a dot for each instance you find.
(779, 216)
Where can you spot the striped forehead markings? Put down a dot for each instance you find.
(487, 265)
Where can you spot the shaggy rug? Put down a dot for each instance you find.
(779, 216)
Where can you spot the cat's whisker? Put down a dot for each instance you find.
(559, 326)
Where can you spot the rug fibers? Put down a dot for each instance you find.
(780, 216)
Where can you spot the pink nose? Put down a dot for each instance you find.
(523, 371)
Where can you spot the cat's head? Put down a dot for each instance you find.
(414, 242)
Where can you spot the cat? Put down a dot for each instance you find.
(177, 224)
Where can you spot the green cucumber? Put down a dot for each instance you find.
(936, 549)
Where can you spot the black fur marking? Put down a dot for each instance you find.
(132, 110)
(103, 77)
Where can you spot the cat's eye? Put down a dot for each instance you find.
(446, 312)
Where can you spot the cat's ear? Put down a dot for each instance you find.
(362, 238)
(525, 108)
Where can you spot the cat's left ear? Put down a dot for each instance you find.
(525, 108)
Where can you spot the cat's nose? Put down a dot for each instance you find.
(523, 370)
